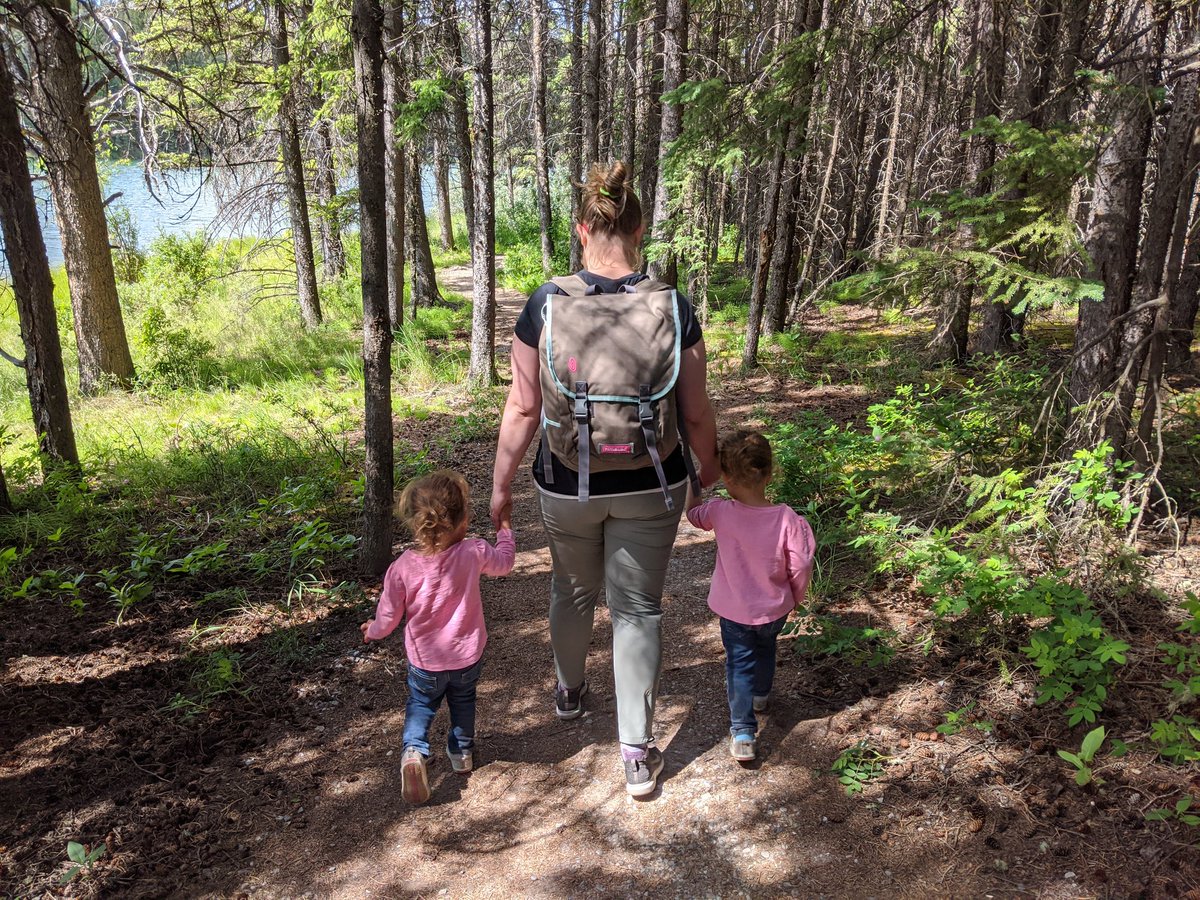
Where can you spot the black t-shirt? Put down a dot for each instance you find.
(600, 484)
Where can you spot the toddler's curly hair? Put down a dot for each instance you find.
(434, 507)
(745, 457)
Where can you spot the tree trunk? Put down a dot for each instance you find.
(293, 169)
(1002, 325)
(541, 174)
(1184, 280)
(675, 38)
(575, 161)
(649, 75)
(629, 98)
(950, 337)
(6, 506)
(395, 169)
(1156, 239)
(69, 152)
(329, 223)
(424, 284)
(441, 166)
(1112, 238)
(591, 83)
(482, 368)
(766, 247)
(807, 262)
(885, 194)
(447, 12)
(367, 31)
(32, 286)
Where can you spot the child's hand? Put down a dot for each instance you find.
(505, 520)
(693, 500)
(364, 627)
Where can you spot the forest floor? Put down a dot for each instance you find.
(291, 788)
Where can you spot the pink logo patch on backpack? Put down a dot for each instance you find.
(617, 448)
(572, 365)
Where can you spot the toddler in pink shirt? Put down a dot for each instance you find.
(434, 588)
(764, 563)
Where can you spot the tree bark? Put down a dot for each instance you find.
(766, 248)
(1171, 171)
(395, 169)
(1183, 266)
(629, 122)
(675, 38)
(441, 167)
(950, 337)
(1112, 238)
(575, 160)
(649, 76)
(591, 83)
(293, 169)
(541, 174)
(33, 287)
(482, 368)
(447, 12)
(329, 223)
(367, 31)
(69, 152)
(424, 283)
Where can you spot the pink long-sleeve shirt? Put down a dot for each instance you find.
(764, 559)
(438, 596)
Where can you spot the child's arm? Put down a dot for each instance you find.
(390, 609)
(499, 560)
(700, 514)
(693, 500)
(800, 548)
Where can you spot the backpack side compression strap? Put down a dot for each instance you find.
(646, 417)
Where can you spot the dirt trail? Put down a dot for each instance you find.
(293, 790)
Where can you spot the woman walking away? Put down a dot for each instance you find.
(609, 366)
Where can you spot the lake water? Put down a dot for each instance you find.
(183, 201)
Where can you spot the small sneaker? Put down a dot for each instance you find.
(641, 775)
(461, 762)
(414, 780)
(762, 704)
(743, 747)
(568, 702)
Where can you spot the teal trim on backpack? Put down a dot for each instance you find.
(548, 313)
(550, 422)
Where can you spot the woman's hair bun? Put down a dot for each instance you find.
(609, 204)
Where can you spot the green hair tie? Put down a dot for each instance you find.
(606, 193)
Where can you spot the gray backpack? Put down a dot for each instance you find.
(609, 366)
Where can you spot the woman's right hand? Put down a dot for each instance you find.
(501, 507)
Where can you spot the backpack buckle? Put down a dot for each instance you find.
(581, 401)
(645, 410)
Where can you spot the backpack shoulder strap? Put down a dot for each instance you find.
(573, 285)
(650, 285)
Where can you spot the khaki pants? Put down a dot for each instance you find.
(621, 544)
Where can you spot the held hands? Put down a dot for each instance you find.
(693, 500)
(501, 507)
(364, 627)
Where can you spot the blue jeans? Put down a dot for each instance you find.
(425, 693)
(749, 669)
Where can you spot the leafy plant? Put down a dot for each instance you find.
(958, 719)
(1176, 738)
(1082, 761)
(83, 859)
(858, 764)
(1180, 812)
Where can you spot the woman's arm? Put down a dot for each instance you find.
(697, 411)
(521, 420)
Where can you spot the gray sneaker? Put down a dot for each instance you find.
(568, 702)
(743, 747)
(461, 762)
(641, 775)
